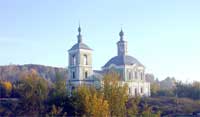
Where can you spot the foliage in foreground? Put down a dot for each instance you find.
(93, 102)
(32, 95)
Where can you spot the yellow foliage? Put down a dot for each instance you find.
(33, 90)
(34, 71)
(56, 111)
(115, 93)
(196, 84)
(94, 103)
(7, 85)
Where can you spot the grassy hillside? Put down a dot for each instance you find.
(171, 105)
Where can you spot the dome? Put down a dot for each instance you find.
(80, 46)
(122, 60)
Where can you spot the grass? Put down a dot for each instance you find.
(172, 105)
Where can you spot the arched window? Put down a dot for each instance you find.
(72, 88)
(129, 75)
(136, 92)
(141, 90)
(129, 90)
(135, 75)
(73, 75)
(74, 60)
(85, 60)
(86, 74)
(141, 76)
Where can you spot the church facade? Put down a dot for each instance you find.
(130, 70)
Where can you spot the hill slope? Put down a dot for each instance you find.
(13, 72)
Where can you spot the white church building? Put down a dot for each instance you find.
(130, 70)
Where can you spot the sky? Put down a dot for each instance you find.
(164, 35)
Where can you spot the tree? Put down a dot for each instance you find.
(58, 92)
(5, 88)
(33, 91)
(132, 106)
(154, 89)
(146, 111)
(191, 90)
(93, 102)
(196, 91)
(56, 111)
(58, 98)
(116, 94)
(59, 86)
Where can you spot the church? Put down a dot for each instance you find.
(130, 70)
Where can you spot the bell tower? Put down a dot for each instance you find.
(80, 61)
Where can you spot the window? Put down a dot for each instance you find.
(141, 75)
(135, 91)
(141, 90)
(86, 74)
(73, 75)
(129, 90)
(72, 88)
(129, 75)
(73, 60)
(135, 75)
(85, 61)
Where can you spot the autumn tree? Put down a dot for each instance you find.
(59, 86)
(56, 111)
(154, 89)
(58, 91)
(116, 94)
(196, 91)
(190, 90)
(146, 110)
(132, 107)
(58, 98)
(5, 88)
(33, 91)
(93, 102)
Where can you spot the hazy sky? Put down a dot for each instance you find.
(164, 35)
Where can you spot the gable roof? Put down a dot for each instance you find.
(80, 46)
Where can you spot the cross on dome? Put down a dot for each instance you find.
(121, 34)
(79, 36)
